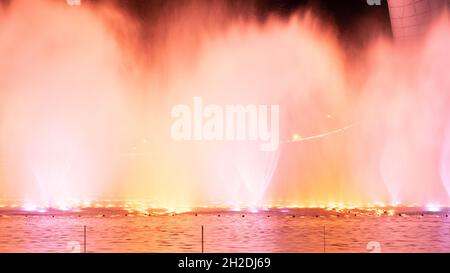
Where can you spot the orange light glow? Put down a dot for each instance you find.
(85, 112)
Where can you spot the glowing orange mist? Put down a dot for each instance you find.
(86, 101)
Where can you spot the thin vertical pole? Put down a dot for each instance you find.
(84, 239)
(202, 240)
(324, 242)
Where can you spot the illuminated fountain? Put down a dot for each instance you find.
(85, 111)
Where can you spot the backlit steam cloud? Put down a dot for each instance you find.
(86, 102)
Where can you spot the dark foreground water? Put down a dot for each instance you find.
(287, 231)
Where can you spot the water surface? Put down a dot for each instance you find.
(291, 231)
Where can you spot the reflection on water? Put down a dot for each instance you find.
(224, 232)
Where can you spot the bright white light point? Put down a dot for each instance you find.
(236, 209)
(296, 137)
(284, 210)
(433, 208)
(328, 116)
(29, 207)
(253, 210)
(42, 211)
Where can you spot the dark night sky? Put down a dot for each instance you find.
(343, 12)
(350, 17)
